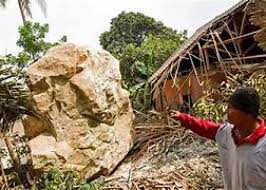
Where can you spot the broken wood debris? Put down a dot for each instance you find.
(167, 157)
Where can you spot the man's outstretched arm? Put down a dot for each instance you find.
(201, 127)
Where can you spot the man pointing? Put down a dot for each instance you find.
(241, 141)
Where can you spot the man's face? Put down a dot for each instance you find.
(235, 116)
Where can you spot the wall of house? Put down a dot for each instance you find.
(173, 95)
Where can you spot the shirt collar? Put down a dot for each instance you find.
(253, 138)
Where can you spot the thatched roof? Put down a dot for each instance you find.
(190, 43)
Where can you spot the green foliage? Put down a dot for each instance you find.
(132, 28)
(32, 39)
(15, 99)
(141, 44)
(212, 104)
(17, 62)
(137, 64)
(141, 62)
(259, 83)
(55, 179)
(210, 108)
(140, 96)
(34, 45)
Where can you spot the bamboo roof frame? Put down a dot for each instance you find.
(209, 29)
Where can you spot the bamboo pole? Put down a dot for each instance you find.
(218, 54)
(243, 23)
(221, 41)
(161, 78)
(202, 57)
(200, 60)
(234, 43)
(182, 86)
(194, 69)
(176, 72)
(236, 32)
(248, 57)
(206, 55)
(223, 51)
(233, 38)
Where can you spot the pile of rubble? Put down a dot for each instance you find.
(168, 157)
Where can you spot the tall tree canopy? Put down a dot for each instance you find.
(141, 44)
(132, 28)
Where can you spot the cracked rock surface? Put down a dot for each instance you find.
(91, 116)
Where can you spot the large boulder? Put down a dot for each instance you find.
(91, 119)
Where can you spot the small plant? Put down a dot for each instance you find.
(55, 179)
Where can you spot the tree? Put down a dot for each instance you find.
(15, 101)
(3, 3)
(131, 28)
(32, 39)
(25, 9)
(141, 44)
(33, 43)
(137, 64)
(15, 98)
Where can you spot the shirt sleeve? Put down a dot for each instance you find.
(201, 127)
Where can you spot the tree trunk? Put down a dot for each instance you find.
(21, 11)
(16, 162)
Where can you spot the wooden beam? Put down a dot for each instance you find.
(221, 28)
(236, 45)
(243, 22)
(159, 80)
(253, 66)
(224, 46)
(233, 39)
(180, 87)
(199, 59)
(176, 72)
(223, 51)
(206, 55)
(244, 19)
(218, 54)
(244, 58)
(196, 57)
(226, 23)
(233, 34)
(248, 57)
(194, 69)
(236, 31)
(201, 54)
(171, 70)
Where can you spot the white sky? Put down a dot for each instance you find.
(84, 20)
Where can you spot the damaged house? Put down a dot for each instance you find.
(233, 42)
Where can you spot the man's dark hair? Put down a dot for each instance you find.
(246, 99)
